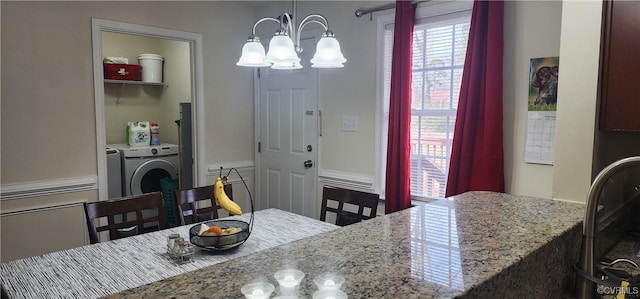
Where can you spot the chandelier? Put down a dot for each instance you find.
(284, 46)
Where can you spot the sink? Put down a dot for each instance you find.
(587, 264)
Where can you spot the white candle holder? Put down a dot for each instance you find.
(257, 290)
(289, 278)
(329, 281)
(330, 294)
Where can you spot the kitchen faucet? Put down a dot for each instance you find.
(586, 287)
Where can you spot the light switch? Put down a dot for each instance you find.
(350, 124)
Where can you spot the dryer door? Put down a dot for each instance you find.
(146, 178)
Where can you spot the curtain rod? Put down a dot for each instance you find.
(363, 11)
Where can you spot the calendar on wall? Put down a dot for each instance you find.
(540, 143)
(541, 114)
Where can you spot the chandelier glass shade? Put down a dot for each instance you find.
(328, 54)
(281, 50)
(284, 46)
(253, 55)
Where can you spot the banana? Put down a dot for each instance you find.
(223, 200)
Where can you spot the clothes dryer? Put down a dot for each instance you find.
(144, 167)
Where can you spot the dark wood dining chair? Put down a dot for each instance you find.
(148, 210)
(348, 202)
(197, 204)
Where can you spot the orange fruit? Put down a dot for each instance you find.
(217, 230)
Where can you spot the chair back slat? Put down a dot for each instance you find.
(198, 204)
(121, 207)
(344, 198)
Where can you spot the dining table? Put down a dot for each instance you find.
(105, 268)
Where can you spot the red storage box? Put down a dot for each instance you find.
(122, 71)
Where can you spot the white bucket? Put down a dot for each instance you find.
(151, 67)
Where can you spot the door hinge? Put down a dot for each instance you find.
(259, 146)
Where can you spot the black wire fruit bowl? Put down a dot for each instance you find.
(222, 242)
(225, 233)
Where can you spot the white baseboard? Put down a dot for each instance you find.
(346, 180)
(50, 187)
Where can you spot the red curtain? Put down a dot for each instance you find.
(477, 160)
(398, 177)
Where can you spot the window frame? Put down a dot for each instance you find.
(429, 10)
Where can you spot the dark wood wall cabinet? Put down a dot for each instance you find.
(619, 88)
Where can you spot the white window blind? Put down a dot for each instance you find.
(439, 48)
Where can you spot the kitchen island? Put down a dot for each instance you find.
(474, 245)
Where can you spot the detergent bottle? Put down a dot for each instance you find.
(138, 133)
(155, 134)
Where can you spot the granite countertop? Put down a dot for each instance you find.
(625, 249)
(478, 244)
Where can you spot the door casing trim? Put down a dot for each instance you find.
(197, 90)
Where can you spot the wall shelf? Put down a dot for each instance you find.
(132, 82)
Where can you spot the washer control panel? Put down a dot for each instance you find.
(164, 149)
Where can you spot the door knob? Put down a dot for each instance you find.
(308, 164)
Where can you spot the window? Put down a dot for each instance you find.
(439, 48)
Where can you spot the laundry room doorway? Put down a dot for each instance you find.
(158, 101)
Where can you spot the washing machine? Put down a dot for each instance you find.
(143, 167)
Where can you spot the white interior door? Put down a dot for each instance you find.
(289, 137)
